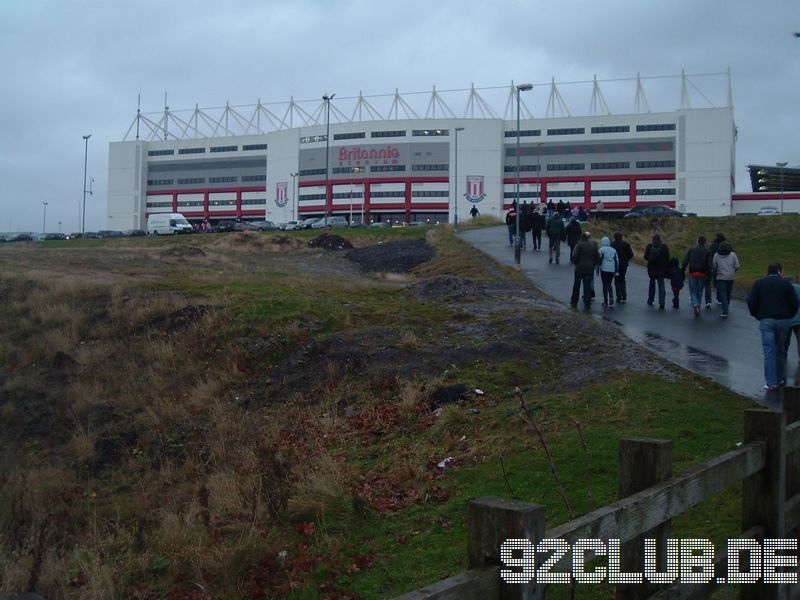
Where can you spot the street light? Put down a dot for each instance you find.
(455, 202)
(523, 87)
(294, 191)
(327, 146)
(782, 166)
(85, 162)
(44, 218)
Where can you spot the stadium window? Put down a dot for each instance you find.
(306, 172)
(656, 127)
(523, 133)
(522, 168)
(191, 180)
(381, 134)
(612, 129)
(346, 195)
(431, 194)
(224, 148)
(385, 168)
(611, 165)
(655, 164)
(430, 132)
(439, 167)
(566, 131)
(160, 152)
(191, 150)
(254, 177)
(309, 139)
(397, 194)
(312, 197)
(254, 147)
(349, 136)
(160, 181)
(222, 179)
(566, 167)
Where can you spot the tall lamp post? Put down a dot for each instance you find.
(523, 87)
(85, 162)
(782, 166)
(327, 147)
(295, 191)
(455, 201)
(44, 218)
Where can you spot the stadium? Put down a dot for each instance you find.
(415, 160)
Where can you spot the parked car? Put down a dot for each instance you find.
(307, 223)
(136, 232)
(380, 224)
(329, 222)
(75, 236)
(654, 210)
(264, 225)
(225, 225)
(289, 226)
(55, 236)
(244, 226)
(766, 211)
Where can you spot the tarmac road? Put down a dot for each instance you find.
(726, 350)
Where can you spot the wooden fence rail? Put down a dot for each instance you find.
(767, 464)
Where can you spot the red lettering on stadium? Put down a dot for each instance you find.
(368, 153)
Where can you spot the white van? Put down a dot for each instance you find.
(167, 224)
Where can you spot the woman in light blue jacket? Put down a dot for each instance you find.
(608, 267)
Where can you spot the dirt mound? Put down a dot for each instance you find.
(330, 242)
(394, 257)
(177, 251)
(446, 287)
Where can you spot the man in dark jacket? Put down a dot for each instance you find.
(511, 223)
(657, 256)
(698, 259)
(537, 225)
(573, 233)
(625, 254)
(555, 232)
(773, 302)
(585, 257)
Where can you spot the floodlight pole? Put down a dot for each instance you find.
(523, 87)
(44, 218)
(455, 200)
(85, 163)
(327, 149)
(782, 166)
(295, 191)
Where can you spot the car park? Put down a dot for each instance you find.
(766, 211)
(653, 211)
(244, 226)
(380, 224)
(329, 222)
(55, 236)
(289, 226)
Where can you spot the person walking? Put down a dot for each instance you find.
(598, 209)
(794, 322)
(657, 256)
(723, 268)
(537, 225)
(573, 233)
(773, 301)
(511, 223)
(625, 255)
(713, 248)
(698, 260)
(555, 232)
(676, 278)
(474, 211)
(609, 268)
(585, 257)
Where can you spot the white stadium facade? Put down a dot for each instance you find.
(345, 157)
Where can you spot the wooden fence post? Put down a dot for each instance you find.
(764, 493)
(791, 408)
(492, 520)
(643, 463)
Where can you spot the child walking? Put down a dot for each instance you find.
(676, 279)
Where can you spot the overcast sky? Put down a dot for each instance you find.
(73, 67)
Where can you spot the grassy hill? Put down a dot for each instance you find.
(245, 416)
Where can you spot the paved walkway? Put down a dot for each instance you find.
(727, 350)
